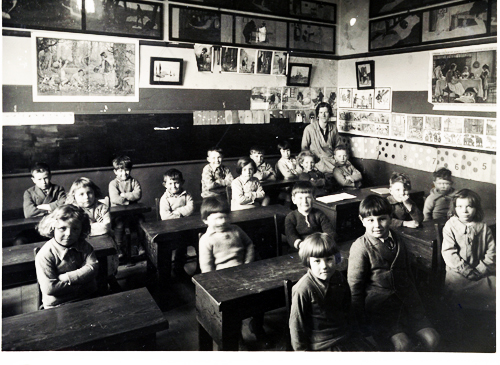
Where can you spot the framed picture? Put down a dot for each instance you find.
(311, 37)
(229, 59)
(493, 17)
(279, 63)
(190, 24)
(396, 31)
(381, 7)
(204, 57)
(383, 98)
(246, 61)
(166, 71)
(313, 10)
(30, 14)
(264, 62)
(215, 3)
(457, 21)
(275, 7)
(262, 32)
(345, 98)
(136, 19)
(365, 74)
(79, 68)
(299, 74)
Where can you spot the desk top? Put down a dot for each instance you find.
(87, 324)
(228, 285)
(21, 223)
(16, 256)
(158, 230)
(116, 210)
(267, 184)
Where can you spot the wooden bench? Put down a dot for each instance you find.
(104, 323)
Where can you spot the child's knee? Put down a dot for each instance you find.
(401, 342)
(429, 337)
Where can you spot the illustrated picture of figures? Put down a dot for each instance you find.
(246, 63)
(131, 18)
(491, 142)
(455, 139)
(37, 14)
(365, 75)
(82, 70)
(265, 98)
(229, 59)
(204, 57)
(311, 37)
(383, 98)
(473, 140)
(264, 59)
(331, 98)
(432, 136)
(200, 25)
(279, 65)
(398, 126)
(301, 97)
(362, 99)
(345, 98)
(463, 77)
(397, 31)
(260, 31)
(380, 7)
(455, 21)
(491, 127)
(453, 125)
(432, 123)
(474, 126)
(312, 10)
(415, 127)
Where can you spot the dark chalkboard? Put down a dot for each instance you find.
(94, 140)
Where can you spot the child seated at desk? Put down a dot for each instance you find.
(215, 174)
(437, 204)
(344, 173)
(176, 203)
(66, 266)
(404, 211)
(320, 317)
(264, 170)
(246, 191)
(306, 219)
(225, 245)
(384, 296)
(125, 190)
(307, 161)
(286, 166)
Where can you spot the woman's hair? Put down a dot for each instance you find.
(324, 105)
(474, 201)
(66, 212)
(82, 182)
(304, 154)
(374, 205)
(318, 245)
(212, 205)
(242, 162)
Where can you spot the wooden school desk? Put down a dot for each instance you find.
(18, 262)
(12, 227)
(344, 214)
(164, 236)
(225, 297)
(94, 324)
(266, 185)
(136, 208)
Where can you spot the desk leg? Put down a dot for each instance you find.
(102, 275)
(230, 335)
(164, 264)
(204, 339)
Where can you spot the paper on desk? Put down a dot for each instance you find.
(381, 191)
(335, 198)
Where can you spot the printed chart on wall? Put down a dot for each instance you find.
(463, 79)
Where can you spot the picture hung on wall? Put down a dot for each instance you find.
(313, 10)
(398, 126)
(200, 25)
(229, 59)
(299, 74)
(383, 98)
(311, 37)
(79, 68)
(166, 71)
(365, 75)
(302, 97)
(265, 98)
(396, 31)
(493, 17)
(262, 32)
(279, 65)
(345, 98)
(463, 78)
(415, 124)
(276, 7)
(331, 98)
(216, 3)
(381, 7)
(455, 21)
(264, 59)
(246, 63)
(53, 15)
(362, 99)
(204, 55)
(136, 19)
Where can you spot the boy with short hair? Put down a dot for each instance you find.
(286, 165)
(306, 219)
(44, 197)
(384, 297)
(404, 211)
(438, 202)
(344, 173)
(125, 190)
(176, 203)
(264, 170)
(215, 174)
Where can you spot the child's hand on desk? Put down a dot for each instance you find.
(410, 224)
(44, 207)
(474, 275)
(64, 278)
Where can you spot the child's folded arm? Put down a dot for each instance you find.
(450, 253)
(187, 209)
(487, 265)
(136, 192)
(208, 178)
(340, 178)
(239, 195)
(103, 224)
(166, 211)
(428, 208)
(260, 193)
(60, 199)
(30, 207)
(356, 175)
(114, 194)
(86, 272)
(415, 213)
(48, 277)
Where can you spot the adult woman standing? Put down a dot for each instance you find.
(321, 138)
